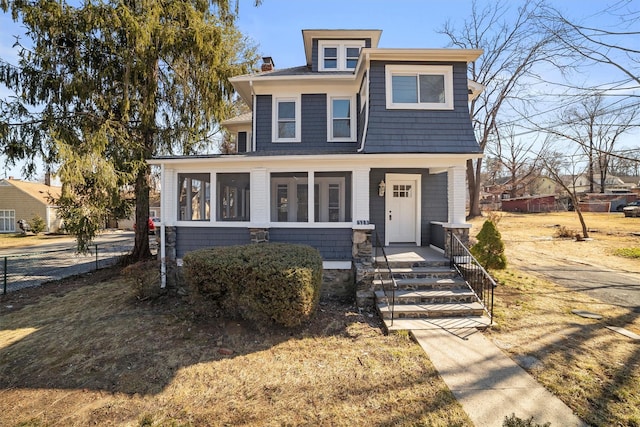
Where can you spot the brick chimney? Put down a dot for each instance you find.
(267, 64)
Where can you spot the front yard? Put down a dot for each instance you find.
(86, 352)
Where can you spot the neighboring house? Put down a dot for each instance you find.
(613, 184)
(24, 200)
(358, 141)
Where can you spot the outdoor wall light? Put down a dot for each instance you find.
(381, 187)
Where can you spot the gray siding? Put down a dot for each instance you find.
(333, 243)
(419, 131)
(313, 132)
(191, 238)
(433, 194)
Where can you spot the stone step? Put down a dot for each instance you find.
(418, 272)
(429, 296)
(444, 262)
(448, 323)
(419, 311)
(423, 283)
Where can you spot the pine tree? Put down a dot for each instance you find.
(106, 85)
(489, 251)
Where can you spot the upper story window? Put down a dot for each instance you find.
(341, 113)
(338, 55)
(286, 119)
(419, 87)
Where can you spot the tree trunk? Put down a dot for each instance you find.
(474, 181)
(576, 206)
(141, 249)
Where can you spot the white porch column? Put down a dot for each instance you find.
(169, 196)
(456, 194)
(360, 194)
(260, 210)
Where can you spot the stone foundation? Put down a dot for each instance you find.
(338, 284)
(259, 235)
(463, 235)
(364, 268)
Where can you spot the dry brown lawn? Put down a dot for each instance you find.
(88, 353)
(593, 370)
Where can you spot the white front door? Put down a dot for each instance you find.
(401, 216)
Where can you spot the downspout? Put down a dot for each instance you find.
(253, 117)
(366, 114)
(163, 219)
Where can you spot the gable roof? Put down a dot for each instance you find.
(37, 190)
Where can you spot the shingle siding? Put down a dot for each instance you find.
(242, 142)
(191, 238)
(334, 244)
(434, 200)
(313, 132)
(419, 131)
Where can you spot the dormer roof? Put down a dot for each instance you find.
(309, 35)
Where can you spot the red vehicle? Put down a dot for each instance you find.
(152, 226)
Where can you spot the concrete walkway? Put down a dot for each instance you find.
(489, 385)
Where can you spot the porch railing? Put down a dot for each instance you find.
(481, 283)
(384, 274)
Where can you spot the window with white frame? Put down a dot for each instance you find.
(331, 198)
(233, 195)
(194, 201)
(7, 220)
(341, 114)
(420, 87)
(338, 55)
(286, 119)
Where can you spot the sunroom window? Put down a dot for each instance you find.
(419, 87)
(233, 196)
(194, 191)
(331, 197)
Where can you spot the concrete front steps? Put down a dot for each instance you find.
(429, 295)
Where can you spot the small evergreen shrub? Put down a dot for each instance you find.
(489, 251)
(37, 224)
(273, 282)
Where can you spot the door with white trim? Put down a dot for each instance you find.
(401, 215)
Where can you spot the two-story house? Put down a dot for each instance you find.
(356, 141)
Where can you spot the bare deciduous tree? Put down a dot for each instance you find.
(513, 46)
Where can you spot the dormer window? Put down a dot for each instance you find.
(338, 55)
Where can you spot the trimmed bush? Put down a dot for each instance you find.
(273, 282)
(489, 251)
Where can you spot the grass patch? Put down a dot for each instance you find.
(594, 371)
(628, 252)
(95, 355)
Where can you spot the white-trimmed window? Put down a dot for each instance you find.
(331, 197)
(341, 114)
(194, 200)
(338, 55)
(419, 87)
(286, 119)
(7, 220)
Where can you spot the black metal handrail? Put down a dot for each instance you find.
(480, 282)
(390, 294)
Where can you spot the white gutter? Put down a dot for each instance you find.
(253, 116)
(163, 219)
(366, 114)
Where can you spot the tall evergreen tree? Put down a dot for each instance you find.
(104, 86)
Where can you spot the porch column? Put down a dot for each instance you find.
(456, 194)
(260, 210)
(360, 196)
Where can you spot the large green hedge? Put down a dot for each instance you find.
(271, 282)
